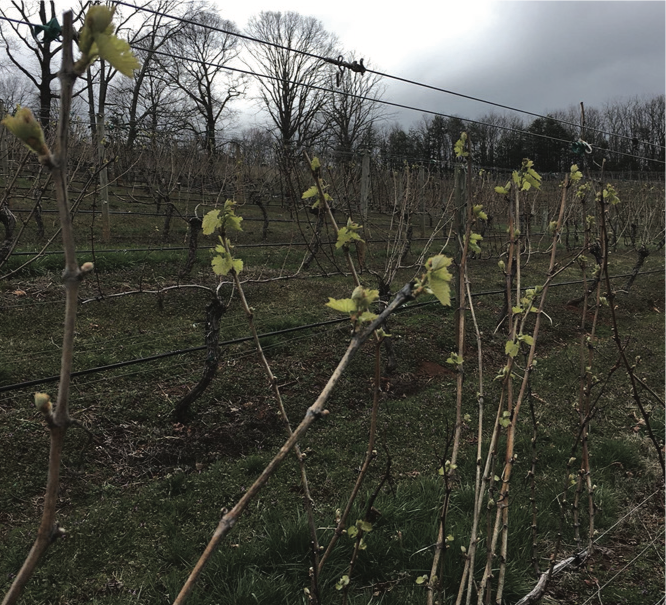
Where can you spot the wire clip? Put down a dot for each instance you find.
(580, 147)
(355, 66)
(52, 30)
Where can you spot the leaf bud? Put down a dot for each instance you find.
(26, 128)
(98, 18)
(43, 402)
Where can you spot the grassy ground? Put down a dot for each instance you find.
(141, 499)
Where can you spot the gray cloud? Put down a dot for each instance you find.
(543, 56)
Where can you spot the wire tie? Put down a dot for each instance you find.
(355, 66)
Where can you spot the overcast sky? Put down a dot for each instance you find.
(538, 56)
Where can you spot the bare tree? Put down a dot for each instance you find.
(353, 110)
(198, 67)
(135, 105)
(14, 90)
(40, 39)
(290, 73)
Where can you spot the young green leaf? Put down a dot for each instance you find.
(345, 305)
(503, 190)
(224, 262)
(230, 220)
(527, 339)
(348, 234)
(312, 192)
(211, 222)
(117, 52)
(511, 348)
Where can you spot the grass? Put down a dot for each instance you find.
(141, 500)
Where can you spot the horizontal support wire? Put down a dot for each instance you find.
(167, 354)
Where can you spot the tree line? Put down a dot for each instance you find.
(185, 95)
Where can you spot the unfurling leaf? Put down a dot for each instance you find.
(315, 164)
(479, 213)
(422, 579)
(363, 297)
(366, 526)
(230, 220)
(222, 219)
(455, 359)
(357, 305)
(342, 582)
(575, 175)
(610, 194)
(97, 39)
(438, 278)
(348, 234)
(459, 147)
(474, 239)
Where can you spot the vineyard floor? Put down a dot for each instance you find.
(142, 494)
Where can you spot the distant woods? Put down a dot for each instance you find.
(185, 99)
